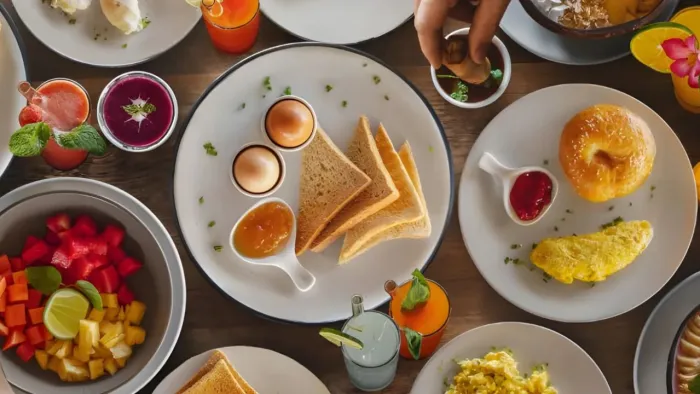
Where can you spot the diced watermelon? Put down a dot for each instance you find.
(58, 223)
(31, 240)
(115, 254)
(35, 335)
(16, 263)
(113, 235)
(68, 276)
(105, 279)
(98, 246)
(25, 351)
(46, 260)
(76, 247)
(80, 269)
(128, 267)
(4, 331)
(60, 258)
(97, 260)
(84, 226)
(64, 235)
(34, 299)
(15, 338)
(35, 252)
(52, 238)
(124, 295)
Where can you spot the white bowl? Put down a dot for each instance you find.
(501, 88)
(263, 128)
(283, 171)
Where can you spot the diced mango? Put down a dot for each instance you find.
(71, 371)
(136, 311)
(54, 347)
(112, 314)
(103, 326)
(110, 342)
(109, 300)
(113, 333)
(54, 362)
(88, 336)
(111, 366)
(120, 350)
(96, 315)
(82, 355)
(42, 358)
(66, 349)
(134, 335)
(121, 316)
(121, 362)
(97, 368)
(101, 352)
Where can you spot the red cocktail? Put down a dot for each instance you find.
(232, 24)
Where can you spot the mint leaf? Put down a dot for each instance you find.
(139, 109)
(30, 140)
(497, 75)
(418, 293)
(694, 385)
(91, 293)
(414, 339)
(46, 279)
(83, 137)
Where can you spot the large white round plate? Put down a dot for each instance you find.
(12, 72)
(92, 40)
(571, 369)
(527, 133)
(218, 118)
(338, 22)
(529, 34)
(656, 339)
(266, 371)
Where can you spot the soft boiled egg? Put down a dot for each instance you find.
(257, 169)
(289, 123)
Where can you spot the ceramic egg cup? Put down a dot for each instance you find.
(280, 180)
(306, 143)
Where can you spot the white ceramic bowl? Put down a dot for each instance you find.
(501, 88)
(283, 171)
(266, 136)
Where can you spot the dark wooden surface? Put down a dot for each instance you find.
(214, 321)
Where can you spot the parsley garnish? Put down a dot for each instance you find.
(344, 103)
(139, 109)
(266, 84)
(460, 92)
(287, 91)
(376, 79)
(211, 224)
(209, 148)
(201, 200)
(217, 248)
(329, 88)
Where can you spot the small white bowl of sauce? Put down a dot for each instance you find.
(528, 192)
(257, 170)
(289, 124)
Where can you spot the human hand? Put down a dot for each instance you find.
(430, 15)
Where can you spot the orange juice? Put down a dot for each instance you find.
(688, 98)
(429, 319)
(65, 102)
(233, 24)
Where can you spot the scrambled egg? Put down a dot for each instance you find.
(497, 373)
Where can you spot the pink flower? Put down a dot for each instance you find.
(687, 58)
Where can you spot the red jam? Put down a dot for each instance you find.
(531, 193)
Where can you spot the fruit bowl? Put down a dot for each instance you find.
(160, 284)
(673, 366)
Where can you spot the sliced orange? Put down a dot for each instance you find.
(646, 44)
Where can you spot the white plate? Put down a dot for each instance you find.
(571, 369)
(266, 371)
(171, 21)
(217, 118)
(12, 71)
(527, 133)
(338, 22)
(656, 339)
(529, 34)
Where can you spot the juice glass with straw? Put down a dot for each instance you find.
(232, 24)
(421, 308)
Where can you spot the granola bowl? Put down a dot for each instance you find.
(595, 19)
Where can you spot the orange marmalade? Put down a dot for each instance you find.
(264, 231)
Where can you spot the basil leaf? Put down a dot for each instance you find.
(90, 292)
(46, 279)
(30, 140)
(694, 385)
(418, 293)
(84, 137)
(414, 339)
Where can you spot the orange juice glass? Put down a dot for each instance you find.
(429, 319)
(688, 98)
(232, 24)
(65, 102)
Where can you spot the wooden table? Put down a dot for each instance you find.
(214, 321)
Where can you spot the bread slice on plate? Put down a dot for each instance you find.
(406, 208)
(420, 228)
(380, 193)
(217, 375)
(329, 181)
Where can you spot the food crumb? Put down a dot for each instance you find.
(344, 103)
(242, 106)
(545, 162)
(124, 46)
(211, 224)
(376, 79)
(329, 88)
(210, 149)
(201, 200)
(386, 97)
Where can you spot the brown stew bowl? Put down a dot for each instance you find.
(599, 33)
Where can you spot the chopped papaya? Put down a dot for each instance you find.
(15, 315)
(19, 277)
(17, 292)
(42, 358)
(15, 338)
(36, 315)
(136, 311)
(35, 335)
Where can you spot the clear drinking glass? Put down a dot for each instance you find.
(373, 367)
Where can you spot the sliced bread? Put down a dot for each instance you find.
(405, 209)
(215, 358)
(219, 380)
(420, 228)
(380, 193)
(329, 181)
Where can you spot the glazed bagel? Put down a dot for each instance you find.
(606, 152)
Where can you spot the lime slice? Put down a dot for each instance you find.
(646, 44)
(337, 338)
(63, 312)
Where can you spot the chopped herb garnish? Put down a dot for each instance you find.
(364, 64)
(344, 103)
(630, 204)
(386, 97)
(507, 260)
(209, 148)
(563, 219)
(140, 109)
(266, 84)
(546, 277)
(545, 162)
(329, 88)
(556, 228)
(534, 246)
(242, 106)
(145, 22)
(653, 188)
(124, 46)
(569, 211)
(611, 208)
(217, 248)
(516, 246)
(431, 149)
(211, 224)
(592, 284)
(72, 21)
(376, 79)
(201, 200)
(287, 91)
(460, 92)
(516, 261)
(497, 75)
(614, 222)
(449, 76)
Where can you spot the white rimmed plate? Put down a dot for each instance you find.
(571, 369)
(527, 133)
(92, 40)
(656, 340)
(12, 72)
(266, 371)
(218, 118)
(338, 22)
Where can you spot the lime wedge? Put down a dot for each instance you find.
(646, 44)
(337, 338)
(63, 312)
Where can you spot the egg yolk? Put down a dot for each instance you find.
(256, 169)
(289, 123)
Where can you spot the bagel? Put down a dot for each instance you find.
(606, 152)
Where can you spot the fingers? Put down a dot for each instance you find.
(430, 15)
(462, 11)
(486, 19)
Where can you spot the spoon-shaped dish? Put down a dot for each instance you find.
(286, 260)
(507, 176)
